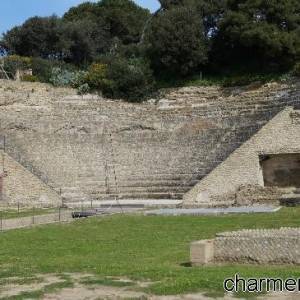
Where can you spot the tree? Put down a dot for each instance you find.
(209, 11)
(84, 33)
(129, 79)
(176, 42)
(261, 33)
(87, 10)
(36, 37)
(85, 39)
(168, 4)
(124, 18)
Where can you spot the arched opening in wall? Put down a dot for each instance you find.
(281, 170)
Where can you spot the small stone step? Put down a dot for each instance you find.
(290, 200)
(104, 196)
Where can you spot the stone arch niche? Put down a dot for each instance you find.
(281, 170)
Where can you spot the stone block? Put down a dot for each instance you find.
(202, 252)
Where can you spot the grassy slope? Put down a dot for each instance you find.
(138, 247)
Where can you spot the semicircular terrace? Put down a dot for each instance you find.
(91, 148)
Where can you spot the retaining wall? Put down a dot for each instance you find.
(241, 173)
(272, 246)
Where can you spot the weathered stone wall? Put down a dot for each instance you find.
(271, 246)
(22, 187)
(156, 150)
(242, 168)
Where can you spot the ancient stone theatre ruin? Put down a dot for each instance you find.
(206, 146)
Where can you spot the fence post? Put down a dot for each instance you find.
(18, 207)
(91, 204)
(59, 214)
(33, 211)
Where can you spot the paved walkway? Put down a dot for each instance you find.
(130, 202)
(23, 222)
(213, 211)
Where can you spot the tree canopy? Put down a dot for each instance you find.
(85, 31)
(176, 42)
(180, 39)
(263, 32)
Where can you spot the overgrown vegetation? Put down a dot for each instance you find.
(139, 52)
(139, 248)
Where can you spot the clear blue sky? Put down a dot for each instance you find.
(15, 12)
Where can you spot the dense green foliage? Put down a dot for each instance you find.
(14, 62)
(85, 32)
(182, 39)
(121, 19)
(177, 42)
(122, 79)
(36, 37)
(42, 68)
(296, 70)
(263, 33)
(129, 79)
(142, 248)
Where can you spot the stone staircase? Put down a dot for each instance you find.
(95, 149)
(39, 179)
(291, 199)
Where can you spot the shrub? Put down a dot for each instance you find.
(296, 70)
(62, 77)
(29, 78)
(129, 79)
(67, 77)
(286, 77)
(42, 68)
(84, 89)
(79, 79)
(14, 62)
(97, 76)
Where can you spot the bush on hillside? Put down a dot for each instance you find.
(29, 78)
(14, 62)
(66, 77)
(42, 68)
(79, 79)
(97, 77)
(129, 79)
(84, 89)
(296, 71)
(61, 77)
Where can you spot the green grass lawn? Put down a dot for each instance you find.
(146, 248)
(15, 213)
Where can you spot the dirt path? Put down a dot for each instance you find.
(88, 287)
